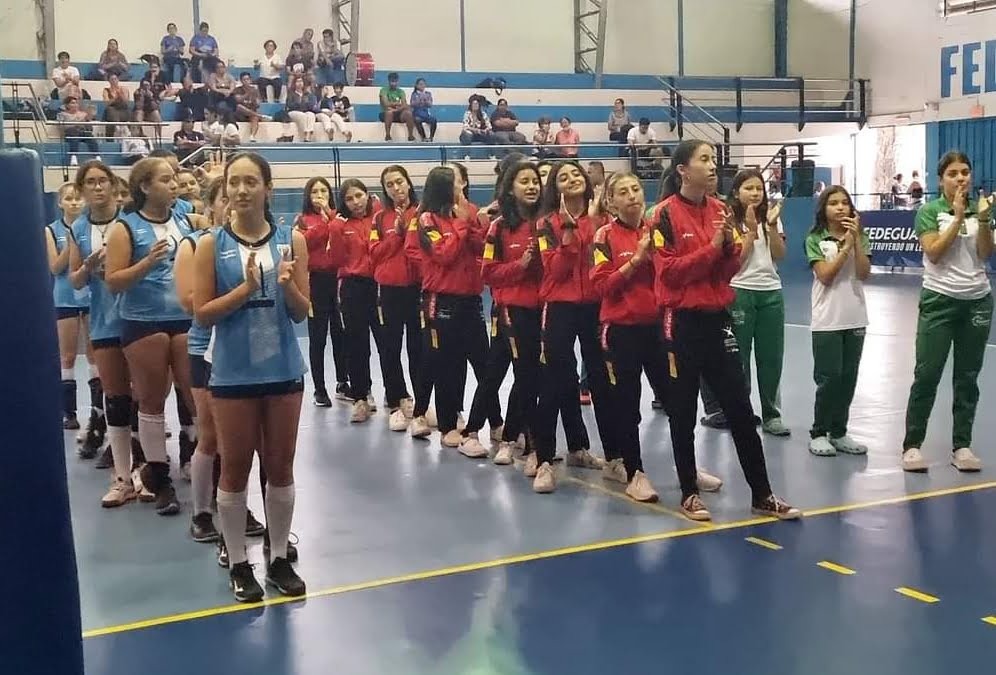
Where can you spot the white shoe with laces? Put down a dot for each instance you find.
(121, 493)
(706, 482)
(361, 412)
(584, 460)
(471, 447)
(545, 481)
(965, 460)
(531, 466)
(640, 489)
(496, 433)
(615, 471)
(452, 439)
(913, 461)
(420, 428)
(505, 453)
(397, 421)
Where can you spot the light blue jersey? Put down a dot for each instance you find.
(256, 343)
(63, 293)
(181, 208)
(153, 297)
(198, 337)
(105, 317)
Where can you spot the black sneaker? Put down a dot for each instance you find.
(322, 399)
(292, 554)
(202, 529)
(715, 421)
(282, 576)
(166, 502)
(106, 459)
(137, 453)
(254, 528)
(87, 450)
(222, 552)
(243, 583)
(342, 392)
(70, 423)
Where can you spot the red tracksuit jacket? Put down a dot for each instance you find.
(627, 301)
(511, 284)
(391, 264)
(450, 248)
(321, 256)
(566, 267)
(691, 272)
(352, 237)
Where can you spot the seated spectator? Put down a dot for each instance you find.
(421, 104)
(221, 87)
(301, 107)
(147, 104)
(160, 82)
(504, 122)
(596, 173)
(134, 144)
(171, 47)
(74, 131)
(191, 102)
(186, 141)
(644, 151)
(66, 78)
(394, 108)
(112, 62)
(220, 128)
(246, 97)
(619, 122)
(296, 62)
(116, 101)
(543, 138)
(476, 125)
(307, 42)
(270, 67)
(335, 113)
(567, 139)
(330, 60)
(203, 50)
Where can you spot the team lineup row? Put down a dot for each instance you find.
(670, 292)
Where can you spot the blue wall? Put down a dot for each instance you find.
(975, 137)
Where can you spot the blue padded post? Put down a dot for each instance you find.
(40, 628)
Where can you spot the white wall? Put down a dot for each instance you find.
(418, 39)
(642, 37)
(501, 40)
(19, 23)
(729, 38)
(819, 38)
(137, 26)
(241, 28)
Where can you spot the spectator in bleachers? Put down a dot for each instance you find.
(246, 97)
(159, 80)
(504, 122)
(66, 78)
(542, 138)
(186, 141)
(619, 122)
(74, 130)
(203, 50)
(302, 106)
(297, 63)
(171, 47)
(270, 68)
(112, 62)
(421, 104)
(644, 150)
(134, 144)
(221, 87)
(116, 100)
(335, 113)
(394, 108)
(307, 41)
(596, 173)
(476, 125)
(567, 139)
(330, 59)
(220, 128)
(191, 102)
(147, 103)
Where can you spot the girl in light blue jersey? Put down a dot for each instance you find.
(251, 285)
(141, 248)
(87, 253)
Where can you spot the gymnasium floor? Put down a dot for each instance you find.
(420, 561)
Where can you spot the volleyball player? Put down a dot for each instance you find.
(251, 285)
(141, 248)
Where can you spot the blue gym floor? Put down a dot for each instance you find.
(420, 561)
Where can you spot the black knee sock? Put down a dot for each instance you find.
(96, 396)
(262, 478)
(186, 419)
(134, 418)
(69, 397)
(216, 472)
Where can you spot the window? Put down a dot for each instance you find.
(959, 7)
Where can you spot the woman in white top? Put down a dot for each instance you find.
(759, 310)
(837, 249)
(956, 306)
(270, 68)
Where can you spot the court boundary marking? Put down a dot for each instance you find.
(524, 558)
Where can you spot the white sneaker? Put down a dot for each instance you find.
(407, 407)
(640, 489)
(430, 418)
(694, 509)
(965, 460)
(531, 466)
(615, 471)
(420, 428)
(372, 403)
(144, 494)
(822, 447)
(584, 460)
(472, 447)
(73, 160)
(913, 461)
(397, 421)
(121, 493)
(361, 412)
(496, 433)
(504, 454)
(848, 445)
(545, 481)
(706, 482)
(452, 439)
(461, 422)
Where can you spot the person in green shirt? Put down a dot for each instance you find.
(394, 108)
(956, 307)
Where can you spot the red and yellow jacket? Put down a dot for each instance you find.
(626, 300)
(566, 267)
(449, 250)
(321, 255)
(391, 264)
(511, 283)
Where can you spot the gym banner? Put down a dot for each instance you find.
(893, 238)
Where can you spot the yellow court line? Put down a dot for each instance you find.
(622, 495)
(916, 595)
(991, 620)
(764, 543)
(834, 567)
(512, 560)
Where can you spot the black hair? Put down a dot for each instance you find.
(480, 106)
(297, 43)
(170, 24)
(821, 206)
(733, 200)
(511, 215)
(307, 206)
(69, 99)
(397, 168)
(682, 155)
(204, 24)
(598, 163)
(565, 117)
(61, 54)
(392, 76)
(550, 197)
(437, 194)
(270, 42)
(344, 188)
(502, 100)
(950, 158)
(509, 160)
(644, 121)
(264, 171)
(463, 176)
(245, 73)
(328, 31)
(419, 79)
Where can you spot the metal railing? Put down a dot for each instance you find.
(27, 114)
(711, 130)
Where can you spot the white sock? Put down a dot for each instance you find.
(93, 372)
(279, 513)
(68, 374)
(232, 517)
(190, 430)
(202, 481)
(152, 436)
(120, 440)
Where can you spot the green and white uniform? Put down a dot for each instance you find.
(840, 317)
(956, 307)
(759, 321)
